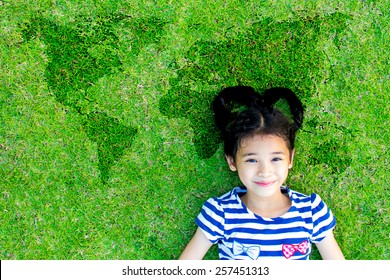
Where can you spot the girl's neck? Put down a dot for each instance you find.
(270, 207)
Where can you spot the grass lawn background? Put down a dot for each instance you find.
(107, 143)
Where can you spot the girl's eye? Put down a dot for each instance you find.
(251, 160)
(276, 159)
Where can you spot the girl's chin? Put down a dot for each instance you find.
(264, 191)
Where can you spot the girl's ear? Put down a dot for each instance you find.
(291, 159)
(231, 163)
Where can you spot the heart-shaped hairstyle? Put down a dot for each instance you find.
(258, 118)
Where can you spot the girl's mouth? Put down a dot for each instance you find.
(264, 183)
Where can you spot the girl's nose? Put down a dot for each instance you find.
(263, 170)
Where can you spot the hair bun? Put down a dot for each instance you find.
(273, 95)
(243, 95)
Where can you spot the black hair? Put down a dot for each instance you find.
(258, 118)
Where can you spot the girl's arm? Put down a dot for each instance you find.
(197, 247)
(329, 249)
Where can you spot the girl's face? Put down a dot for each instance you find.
(262, 163)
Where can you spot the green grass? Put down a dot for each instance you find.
(107, 145)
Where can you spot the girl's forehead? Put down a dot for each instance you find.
(263, 142)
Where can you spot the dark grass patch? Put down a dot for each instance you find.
(335, 156)
(111, 137)
(270, 54)
(334, 152)
(79, 55)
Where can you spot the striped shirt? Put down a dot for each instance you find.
(243, 235)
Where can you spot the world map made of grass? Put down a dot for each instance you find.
(270, 54)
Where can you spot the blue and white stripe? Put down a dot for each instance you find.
(226, 220)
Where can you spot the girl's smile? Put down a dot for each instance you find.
(264, 183)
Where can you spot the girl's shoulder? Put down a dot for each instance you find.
(228, 199)
(312, 201)
(298, 196)
(234, 194)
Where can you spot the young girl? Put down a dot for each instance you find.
(262, 219)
